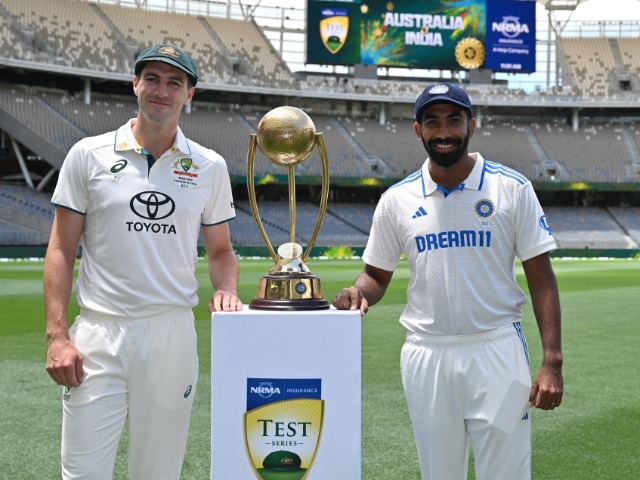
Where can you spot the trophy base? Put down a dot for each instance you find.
(287, 292)
(289, 305)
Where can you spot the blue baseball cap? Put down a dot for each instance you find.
(170, 54)
(442, 92)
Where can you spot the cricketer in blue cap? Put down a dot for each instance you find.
(461, 221)
(442, 92)
(172, 55)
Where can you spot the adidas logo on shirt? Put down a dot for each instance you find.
(421, 212)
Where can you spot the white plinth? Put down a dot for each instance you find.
(262, 355)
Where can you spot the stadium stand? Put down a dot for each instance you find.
(394, 143)
(256, 56)
(629, 219)
(62, 32)
(142, 28)
(589, 60)
(103, 114)
(342, 225)
(596, 152)
(367, 138)
(28, 108)
(630, 51)
(226, 132)
(585, 227)
(346, 158)
(12, 234)
(509, 143)
(25, 216)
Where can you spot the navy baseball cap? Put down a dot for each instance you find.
(442, 92)
(170, 54)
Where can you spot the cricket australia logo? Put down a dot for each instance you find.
(183, 166)
(283, 426)
(334, 27)
(185, 172)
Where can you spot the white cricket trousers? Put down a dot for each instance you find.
(143, 370)
(470, 387)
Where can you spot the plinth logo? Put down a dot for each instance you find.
(283, 426)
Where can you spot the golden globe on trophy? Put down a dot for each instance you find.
(287, 136)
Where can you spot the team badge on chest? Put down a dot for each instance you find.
(185, 172)
(485, 208)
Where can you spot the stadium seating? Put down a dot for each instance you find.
(585, 227)
(395, 143)
(590, 60)
(17, 235)
(142, 28)
(32, 112)
(63, 32)
(630, 50)
(244, 38)
(25, 216)
(629, 218)
(342, 225)
(596, 152)
(105, 37)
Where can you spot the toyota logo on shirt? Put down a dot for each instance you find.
(152, 205)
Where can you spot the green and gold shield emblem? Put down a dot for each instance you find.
(186, 163)
(282, 438)
(333, 31)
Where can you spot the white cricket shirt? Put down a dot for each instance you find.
(461, 247)
(142, 220)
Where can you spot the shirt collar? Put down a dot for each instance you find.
(125, 140)
(473, 181)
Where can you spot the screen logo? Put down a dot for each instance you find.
(334, 27)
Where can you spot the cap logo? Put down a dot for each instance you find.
(438, 89)
(169, 51)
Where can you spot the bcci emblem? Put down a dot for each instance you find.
(282, 427)
(470, 53)
(485, 208)
(334, 27)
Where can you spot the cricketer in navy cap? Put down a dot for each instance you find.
(442, 92)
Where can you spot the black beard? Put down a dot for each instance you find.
(446, 159)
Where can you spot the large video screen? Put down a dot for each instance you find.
(435, 34)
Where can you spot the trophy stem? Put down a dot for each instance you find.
(292, 204)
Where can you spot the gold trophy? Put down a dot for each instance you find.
(287, 136)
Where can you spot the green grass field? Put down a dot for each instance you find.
(594, 435)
